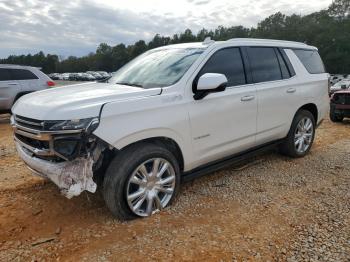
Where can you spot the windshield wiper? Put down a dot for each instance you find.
(129, 84)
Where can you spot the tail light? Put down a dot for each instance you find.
(329, 85)
(50, 83)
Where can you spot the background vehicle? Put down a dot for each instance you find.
(96, 75)
(340, 105)
(104, 74)
(16, 81)
(54, 76)
(341, 85)
(335, 78)
(88, 76)
(171, 114)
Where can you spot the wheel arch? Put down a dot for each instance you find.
(312, 108)
(163, 141)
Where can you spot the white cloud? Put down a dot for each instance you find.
(77, 27)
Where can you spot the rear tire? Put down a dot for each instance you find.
(129, 188)
(300, 136)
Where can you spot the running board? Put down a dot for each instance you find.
(228, 161)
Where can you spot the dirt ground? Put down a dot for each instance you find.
(270, 208)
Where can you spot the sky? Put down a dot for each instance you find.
(77, 27)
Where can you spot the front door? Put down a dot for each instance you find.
(224, 123)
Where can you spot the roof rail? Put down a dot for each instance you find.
(257, 40)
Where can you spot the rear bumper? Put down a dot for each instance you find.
(72, 177)
(343, 110)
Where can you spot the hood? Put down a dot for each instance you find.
(75, 101)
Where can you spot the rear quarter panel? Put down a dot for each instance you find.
(8, 93)
(33, 85)
(313, 88)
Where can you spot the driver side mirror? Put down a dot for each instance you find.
(210, 83)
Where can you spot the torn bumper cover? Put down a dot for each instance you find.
(72, 177)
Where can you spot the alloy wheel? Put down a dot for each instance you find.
(303, 135)
(150, 187)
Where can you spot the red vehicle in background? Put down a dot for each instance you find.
(340, 105)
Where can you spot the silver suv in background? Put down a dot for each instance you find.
(16, 81)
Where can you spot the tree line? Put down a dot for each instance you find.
(328, 29)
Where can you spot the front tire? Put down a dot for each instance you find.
(141, 180)
(301, 135)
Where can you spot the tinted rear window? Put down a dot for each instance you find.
(22, 74)
(4, 75)
(311, 60)
(264, 64)
(229, 62)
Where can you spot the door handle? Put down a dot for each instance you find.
(12, 84)
(247, 98)
(291, 90)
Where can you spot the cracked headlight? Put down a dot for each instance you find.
(87, 124)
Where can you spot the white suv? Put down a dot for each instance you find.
(171, 114)
(16, 81)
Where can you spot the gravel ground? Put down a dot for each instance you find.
(271, 208)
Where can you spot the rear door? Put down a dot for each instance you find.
(9, 88)
(277, 92)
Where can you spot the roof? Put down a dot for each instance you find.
(270, 42)
(242, 42)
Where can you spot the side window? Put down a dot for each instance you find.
(283, 66)
(287, 61)
(4, 75)
(311, 60)
(264, 64)
(227, 61)
(22, 74)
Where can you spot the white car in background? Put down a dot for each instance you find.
(341, 85)
(65, 76)
(16, 81)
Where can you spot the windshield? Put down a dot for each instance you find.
(157, 68)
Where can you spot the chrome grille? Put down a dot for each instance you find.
(36, 137)
(29, 123)
(342, 98)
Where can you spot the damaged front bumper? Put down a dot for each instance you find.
(65, 158)
(72, 177)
